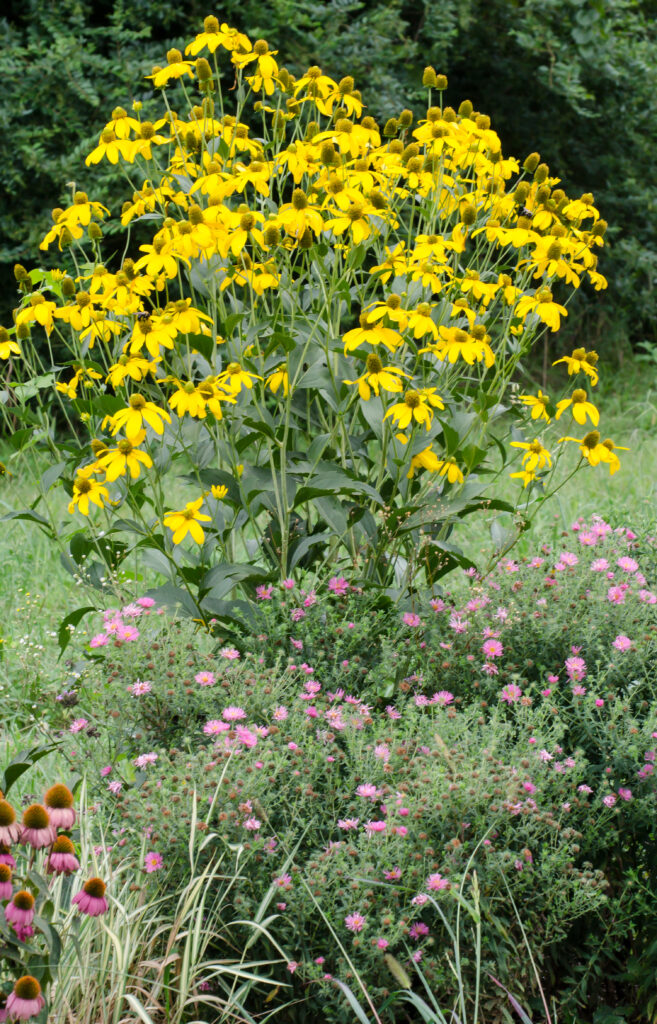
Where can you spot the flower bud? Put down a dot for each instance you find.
(203, 70)
(429, 77)
(405, 118)
(466, 108)
(532, 162)
(441, 82)
(468, 214)
(95, 231)
(174, 56)
(271, 235)
(390, 128)
(541, 173)
(68, 287)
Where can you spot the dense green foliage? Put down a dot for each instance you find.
(575, 77)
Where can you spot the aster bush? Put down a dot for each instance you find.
(507, 729)
(303, 354)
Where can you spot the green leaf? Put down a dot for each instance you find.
(64, 634)
(222, 578)
(22, 763)
(305, 545)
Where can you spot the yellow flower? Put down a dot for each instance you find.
(187, 521)
(542, 304)
(176, 68)
(415, 407)
(373, 335)
(526, 475)
(278, 377)
(8, 347)
(378, 376)
(38, 310)
(188, 399)
(536, 456)
(581, 408)
(218, 492)
(427, 459)
(592, 450)
(299, 215)
(126, 457)
(135, 368)
(138, 412)
(235, 378)
(582, 360)
(158, 260)
(611, 458)
(86, 489)
(538, 405)
(214, 35)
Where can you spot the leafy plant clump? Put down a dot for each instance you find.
(365, 777)
(303, 355)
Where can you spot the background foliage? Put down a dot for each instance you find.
(575, 77)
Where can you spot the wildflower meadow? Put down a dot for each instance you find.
(328, 673)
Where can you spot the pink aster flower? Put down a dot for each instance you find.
(139, 688)
(115, 786)
(437, 604)
(616, 595)
(382, 752)
(153, 862)
(436, 882)
(372, 827)
(392, 712)
(355, 922)
(246, 737)
(382, 943)
(145, 602)
(283, 881)
(143, 760)
(579, 690)
(609, 800)
(132, 611)
(280, 713)
(91, 898)
(230, 653)
(576, 669)
(99, 640)
(264, 593)
(442, 698)
(338, 585)
(393, 875)
(78, 724)
(599, 565)
(368, 790)
(458, 624)
(288, 584)
(205, 678)
(297, 614)
(214, 726)
(584, 789)
(627, 564)
(625, 794)
(233, 713)
(129, 634)
(492, 648)
(252, 824)
(622, 643)
(348, 824)
(411, 619)
(511, 693)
